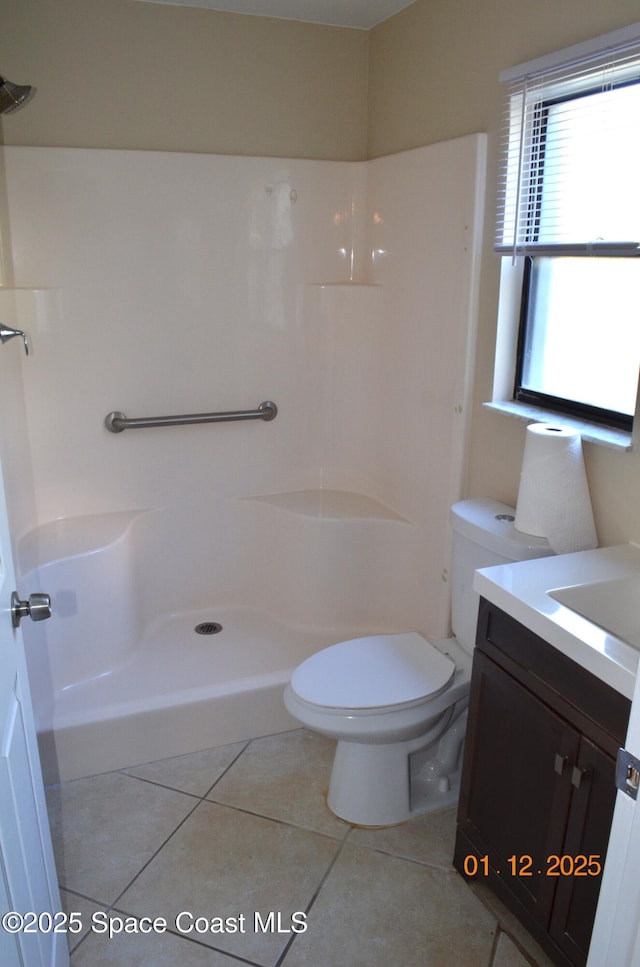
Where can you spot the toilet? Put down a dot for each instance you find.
(397, 703)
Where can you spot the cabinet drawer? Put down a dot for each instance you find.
(574, 691)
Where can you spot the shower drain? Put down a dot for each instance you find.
(208, 628)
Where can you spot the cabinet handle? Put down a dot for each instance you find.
(559, 763)
(578, 775)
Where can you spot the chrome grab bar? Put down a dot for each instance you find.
(116, 422)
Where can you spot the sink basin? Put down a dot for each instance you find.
(613, 605)
(586, 604)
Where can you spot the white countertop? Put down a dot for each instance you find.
(521, 590)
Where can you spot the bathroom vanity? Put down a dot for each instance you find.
(549, 707)
(538, 787)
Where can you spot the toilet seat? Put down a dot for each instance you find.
(377, 672)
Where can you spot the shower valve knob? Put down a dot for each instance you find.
(38, 607)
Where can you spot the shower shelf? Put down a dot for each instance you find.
(330, 505)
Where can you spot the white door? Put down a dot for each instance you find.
(29, 896)
(616, 933)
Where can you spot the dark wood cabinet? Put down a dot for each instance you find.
(538, 783)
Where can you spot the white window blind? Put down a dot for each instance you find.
(569, 179)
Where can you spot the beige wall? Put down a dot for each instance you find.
(434, 75)
(121, 74)
(116, 73)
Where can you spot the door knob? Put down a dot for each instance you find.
(38, 607)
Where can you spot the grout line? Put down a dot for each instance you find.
(200, 943)
(279, 822)
(159, 785)
(230, 766)
(178, 936)
(164, 785)
(72, 950)
(400, 856)
(504, 928)
(153, 856)
(311, 902)
(494, 948)
(82, 896)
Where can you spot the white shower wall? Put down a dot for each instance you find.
(156, 283)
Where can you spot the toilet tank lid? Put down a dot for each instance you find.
(490, 523)
(373, 672)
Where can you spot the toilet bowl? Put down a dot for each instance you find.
(390, 701)
(397, 703)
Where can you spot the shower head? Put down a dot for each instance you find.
(13, 96)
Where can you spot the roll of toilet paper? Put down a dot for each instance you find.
(553, 497)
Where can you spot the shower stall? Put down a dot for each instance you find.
(193, 565)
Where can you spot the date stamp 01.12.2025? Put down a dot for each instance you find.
(581, 864)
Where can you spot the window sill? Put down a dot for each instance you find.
(604, 436)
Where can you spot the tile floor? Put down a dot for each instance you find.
(236, 850)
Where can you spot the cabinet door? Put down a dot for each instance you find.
(588, 830)
(516, 784)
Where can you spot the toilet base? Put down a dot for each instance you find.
(387, 784)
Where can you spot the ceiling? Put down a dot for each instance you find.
(362, 14)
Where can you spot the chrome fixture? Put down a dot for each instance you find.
(13, 96)
(7, 333)
(117, 422)
(38, 607)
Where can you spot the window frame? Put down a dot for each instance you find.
(532, 218)
(522, 394)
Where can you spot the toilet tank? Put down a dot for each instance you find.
(483, 535)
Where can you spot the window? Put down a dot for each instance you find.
(569, 208)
